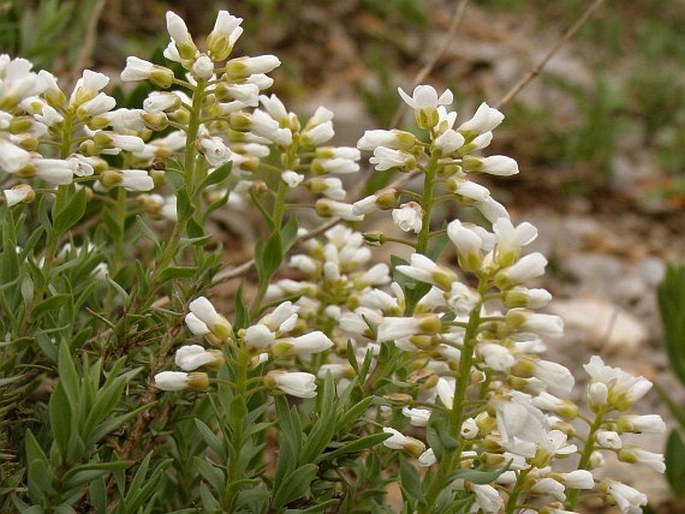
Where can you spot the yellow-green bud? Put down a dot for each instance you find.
(162, 77)
(198, 381)
(20, 124)
(110, 178)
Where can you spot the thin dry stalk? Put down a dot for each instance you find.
(423, 73)
(535, 71)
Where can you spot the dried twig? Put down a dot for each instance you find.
(535, 71)
(89, 40)
(456, 18)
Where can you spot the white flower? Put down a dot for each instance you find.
(520, 296)
(470, 243)
(521, 424)
(318, 134)
(425, 270)
(292, 178)
(511, 239)
(396, 139)
(314, 342)
(449, 141)
(417, 417)
(629, 500)
(487, 498)
(548, 402)
(225, 33)
(636, 455)
(556, 377)
(203, 68)
(426, 97)
(180, 37)
(469, 429)
(399, 441)
(578, 479)
(385, 158)
(409, 217)
(180, 380)
(18, 194)
(96, 106)
(136, 69)
(245, 66)
(326, 208)
(647, 424)
(57, 172)
(499, 165)
(528, 267)
(521, 320)
(196, 325)
(549, 486)
(397, 328)
(205, 312)
(259, 336)
(623, 388)
(496, 356)
(158, 102)
(87, 87)
(12, 157)
(445, 391)
(427, 458)
(296, 383)
(136, 180)
(191, 357)
(484, 120)
(215, 151)
(608, 439)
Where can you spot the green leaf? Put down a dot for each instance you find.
(353, 414)
(410, 482)
(216, 177)
(479, 477)
(671, 296)
(289, 233)
(148, 231)
(355, 446)
(68, 377)
(72, 212)
(173, 272)
(60, 418)
(184, 206)
(211, 439)
(675, 463)
(211, 473)
(295, 485)
(40, 477)
(112, 424)
(322, 431)
(242, 313)
(270, 257)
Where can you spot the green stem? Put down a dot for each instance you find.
(277, 219)
(452, 455)
(426, 205)
(514, 495)
(574, 495)
(191, 180)
(239, 392)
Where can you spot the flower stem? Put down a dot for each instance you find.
(574, 494)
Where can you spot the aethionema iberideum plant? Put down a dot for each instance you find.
(313, 393)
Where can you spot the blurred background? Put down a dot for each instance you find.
(599, 135)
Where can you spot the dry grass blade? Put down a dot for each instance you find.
(535, 71)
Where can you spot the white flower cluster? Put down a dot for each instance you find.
(473, 338)
(37, 116)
